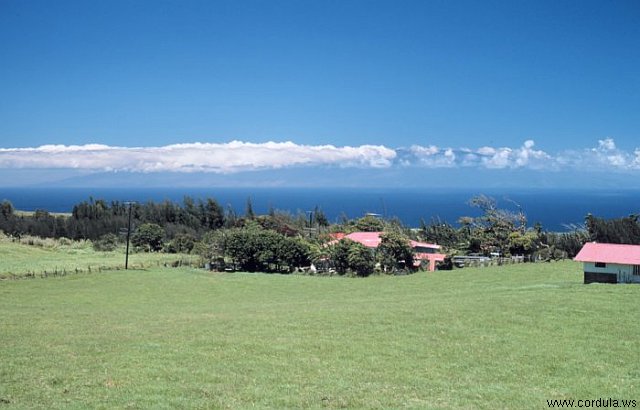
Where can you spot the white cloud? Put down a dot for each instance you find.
(433, 157)
(484, 157)
(229, 157)
(636, 159)
(605, 157)
(606, 144)
(495, 158)
(238, 156)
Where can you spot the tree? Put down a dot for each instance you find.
(6, 210)
(280, 222)
(621, 230)
(248, 212)
(361, 260)
(441, 233)
(491, 230)
(181, 243)
(394, 252)
(339, 253)
(213, 217)
(369, 223)
(294, 252)
(567, 244)
(212, 248)
(319, 217)
(149, 237)
(252, 248)
(523, 244)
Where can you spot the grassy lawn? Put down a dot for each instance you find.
(18, 259)
(504, 337)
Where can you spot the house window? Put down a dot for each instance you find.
(636, 270)
(601, 265)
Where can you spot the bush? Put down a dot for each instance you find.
(395, 252)
(62, 241)
(148, 237)
(48, 243)
(182, 243)
(361, 260)
(447, 264)
(339, 254)
(106, 243)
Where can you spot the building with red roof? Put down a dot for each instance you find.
(610, 263)
(426, 254)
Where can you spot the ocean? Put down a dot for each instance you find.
(556, 210)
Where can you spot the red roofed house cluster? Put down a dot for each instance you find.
(426, 254)
(610, 263)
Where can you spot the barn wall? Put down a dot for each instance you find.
(612, 273)
(599, 277)
(611, 268)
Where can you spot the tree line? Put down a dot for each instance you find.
(281, 241)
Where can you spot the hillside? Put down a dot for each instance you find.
(505, 337)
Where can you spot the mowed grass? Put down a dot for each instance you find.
(17, 259)
(504, 337)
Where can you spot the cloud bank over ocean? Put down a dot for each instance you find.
(231, 157)
(237, 156)
(605, 157)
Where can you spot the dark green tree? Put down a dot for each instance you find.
(361, 260)
(339, 253)
(181, 243)
(439, 232)
(619, 230)
(6, 210)
(212, 248)
(319, 217)
(394, 252)
(148, 237)
(369, 223)
(294, 253)
(213, 217)
(491, 230)
(248, 210)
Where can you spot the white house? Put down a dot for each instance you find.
(610, 263)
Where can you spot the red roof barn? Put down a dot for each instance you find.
(610, 263)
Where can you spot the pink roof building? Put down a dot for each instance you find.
(425, 253)
(610, 263)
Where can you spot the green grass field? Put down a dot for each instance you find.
(504, 337)
(18, 260)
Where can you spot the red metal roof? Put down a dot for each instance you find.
(372, 240)
(368, 239)
(609, 253)
(415, 244)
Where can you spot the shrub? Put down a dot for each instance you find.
(148, 237)
(182, 243)
(106, 243)
(339, 254)
(39, 242)
(65, 241)
(361, 260)
(394, 252)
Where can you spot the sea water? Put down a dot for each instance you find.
(556, 210)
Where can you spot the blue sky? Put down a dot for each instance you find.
(425, 85)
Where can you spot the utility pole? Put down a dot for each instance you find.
(310, 228)
(126, 260)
